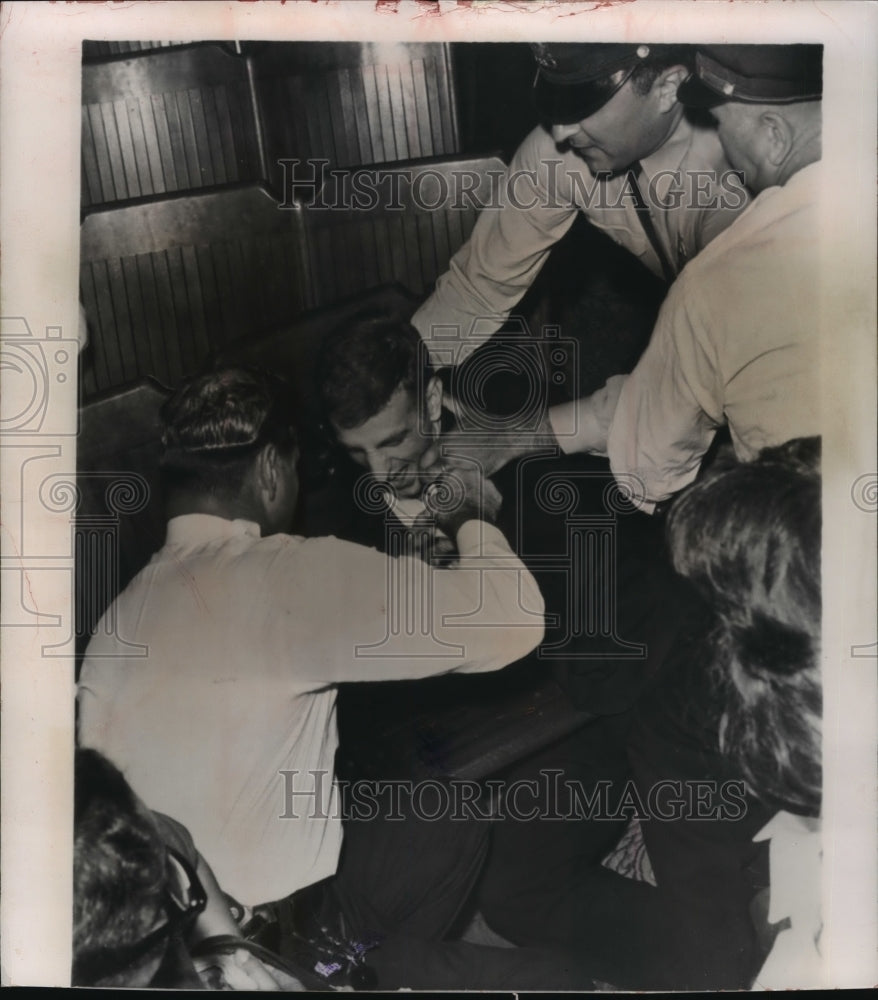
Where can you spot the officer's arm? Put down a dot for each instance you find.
(490, 273)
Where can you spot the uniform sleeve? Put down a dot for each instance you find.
(583, 425)
(351, 613)
(490, 273)
(671, 405)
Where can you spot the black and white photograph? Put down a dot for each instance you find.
(438, 448)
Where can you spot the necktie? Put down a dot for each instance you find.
(642, 209)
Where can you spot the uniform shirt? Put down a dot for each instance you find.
(735, 342)
(244, 639)
(688, 184)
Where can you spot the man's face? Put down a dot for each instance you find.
(398, 442)
(627, 128)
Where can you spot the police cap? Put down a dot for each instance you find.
(754, 74)
(574, 81)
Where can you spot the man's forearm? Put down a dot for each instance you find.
(583, 425)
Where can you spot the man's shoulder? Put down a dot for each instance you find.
(778, 217)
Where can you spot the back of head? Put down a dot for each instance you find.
(749, 538)
(119, 874)
(215, 424)
(364, 363)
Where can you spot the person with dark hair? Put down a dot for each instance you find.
(614, 145)
(227, 720)
(737, 708)
(383, 401)
(749, 539)
(142, 894)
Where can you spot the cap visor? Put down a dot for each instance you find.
(566, 104)
(694, 93)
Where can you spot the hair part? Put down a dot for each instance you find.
(748, 537)
(367, 361)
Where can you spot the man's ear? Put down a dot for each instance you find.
(434, 398)
(777, 135)
(666, 85)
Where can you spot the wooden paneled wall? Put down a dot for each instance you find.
(165, 282)
(165, 121)
(356, 103)
(181, 117)
(184, 245)
(424, 210)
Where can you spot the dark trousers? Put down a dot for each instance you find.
(407, 873)
(707, 867)
(407, 880)
(544, 885)
(538, 869)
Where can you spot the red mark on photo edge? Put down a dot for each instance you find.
(598, 5)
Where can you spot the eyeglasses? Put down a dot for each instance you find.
(184, 900)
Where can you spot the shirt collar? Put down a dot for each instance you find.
(196, 529)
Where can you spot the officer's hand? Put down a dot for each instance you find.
(459, 495)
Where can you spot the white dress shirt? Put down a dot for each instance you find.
(244, 639)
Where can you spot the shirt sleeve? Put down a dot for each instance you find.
(490, 273)
(351, 613)
(583, 425)
(671, 405)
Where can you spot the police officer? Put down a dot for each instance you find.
(616, 146)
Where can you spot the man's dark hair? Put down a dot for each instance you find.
(362, 365)
(748, 537)
(215, 424)
(119, 870)
(660, 58)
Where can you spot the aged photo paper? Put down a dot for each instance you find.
(165, 177)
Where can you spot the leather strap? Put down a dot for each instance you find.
(643, 214)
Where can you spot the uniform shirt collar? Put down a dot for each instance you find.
(196, 529)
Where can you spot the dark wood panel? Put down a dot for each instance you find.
(355, 103)
(165, 282)
(167, 120)
(416, 223)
